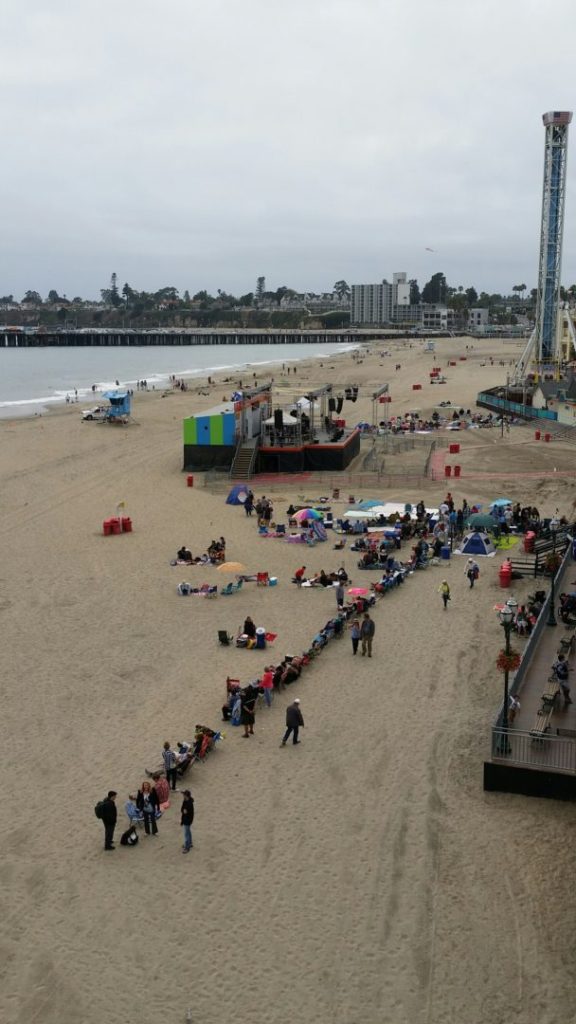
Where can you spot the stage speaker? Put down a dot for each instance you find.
(278, 420)
(332, 404)
(339, 404)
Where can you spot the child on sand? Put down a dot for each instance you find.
(444, 590)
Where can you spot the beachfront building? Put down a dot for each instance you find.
(478, 319)
(383, 303)
(387, 303)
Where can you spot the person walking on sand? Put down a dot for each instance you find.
(472, 572)
(444, 590)
(294, 722)
(108, 816)
(186, 819)
(367, 630)
(340, 595)
(355, 635)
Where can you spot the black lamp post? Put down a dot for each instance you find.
(551, 616)
(507, 618)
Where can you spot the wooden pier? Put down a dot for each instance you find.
(109, 337)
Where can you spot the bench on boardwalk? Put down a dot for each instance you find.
(550, 693)
(541, 723)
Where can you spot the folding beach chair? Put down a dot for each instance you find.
(262, 579)
(224, 637)
(281, 528)
(228, 589)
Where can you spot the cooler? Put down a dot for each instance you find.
(260, 639)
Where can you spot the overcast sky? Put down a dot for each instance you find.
(201, 143)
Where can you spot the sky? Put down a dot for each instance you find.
(203, 143)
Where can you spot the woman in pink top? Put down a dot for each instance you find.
(267, 684)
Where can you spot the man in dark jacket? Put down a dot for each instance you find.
(367, 630)
(186, 819)
(293, 722)
(109, 816)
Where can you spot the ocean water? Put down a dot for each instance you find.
(33, 379)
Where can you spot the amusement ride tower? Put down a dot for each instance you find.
(543, 348)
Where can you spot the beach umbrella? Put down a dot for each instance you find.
(306, 513)
(479, 519)
(358, 591)
(500, 501)
(231, 567)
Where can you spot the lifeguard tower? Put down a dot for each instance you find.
(119, 411)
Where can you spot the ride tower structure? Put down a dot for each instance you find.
(542, 353)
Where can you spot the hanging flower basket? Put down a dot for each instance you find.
(508, 662)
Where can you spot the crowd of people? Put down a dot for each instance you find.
(151, 800)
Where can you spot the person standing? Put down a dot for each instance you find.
(367, 631)
(170, 763)
(340, 595)
(248, 698)
(109, 815)
(355, 635)
(294, 721)
(444, 590)
(148, 803)
(472, 572)
(186, 819)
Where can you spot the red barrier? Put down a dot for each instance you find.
(447, 471)
(457, 471)
(416, 387)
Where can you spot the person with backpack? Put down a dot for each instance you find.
(186, 819)
(107, 812)
(472, 572)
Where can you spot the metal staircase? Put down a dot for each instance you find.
(244, 462)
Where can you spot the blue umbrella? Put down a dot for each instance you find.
(500, 501)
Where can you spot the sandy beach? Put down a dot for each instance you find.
(363, 879)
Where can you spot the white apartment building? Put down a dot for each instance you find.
(381, 303)
(478, 318)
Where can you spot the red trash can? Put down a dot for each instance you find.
(457, 471)
(547, 437)
(115, 525)
(537, 435)
(190, 480)
(454, 449)
(447, 471)
(529, 541)
(505, 574)
(107, 527)
(126, 524)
